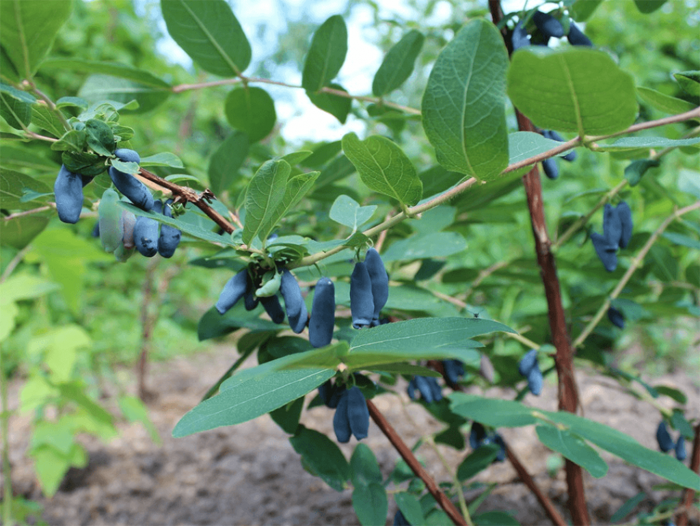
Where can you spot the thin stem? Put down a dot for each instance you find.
(52, 107)
(28, 212)
(416, 467)
(455, 481)
(636, 263)
(13, 263)
(39, 137)
(673, 119)
(482, 276)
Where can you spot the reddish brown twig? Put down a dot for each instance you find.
(687, 500)
(549, 508)
(568, 391)
(412, 461)
(185, 194)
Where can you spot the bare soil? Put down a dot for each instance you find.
(250, 475)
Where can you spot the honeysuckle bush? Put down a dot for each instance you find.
(436, 182)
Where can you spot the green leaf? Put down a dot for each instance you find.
(581, 10)
(162, 159)
(13, 186)
(464, 103)
(506, 413)
(209, 32)
(251, 393)
(636, 170)
(213, 325)
(524, 145)
(405, 368)
(100, 137)
(689, 81)
(27, 30)
(326, 55)
(50, 464)
(425, 246)
(125, 94)
(477, 461)
(18, 232)
(664, 102)
(252, 111)
(8, 72)
(370, 504)
(384, 167)
(647, 143)
(15, 106)
(648, 6)
(573, 448)
(46, 119)
(24, 287)
(672, 392)
(585, 92)
(287, 416)
(297, 187)
(321, 457)
(265, 193)
(627, 507)
(336, 105)
(226, 161)
(364, 467)
(72, 102)
(113, 69)
(398, 63)
(71, 141)
(410, 507)
(134, 410)
(348, 212)
(680, 239)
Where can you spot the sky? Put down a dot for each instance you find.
(300, 120)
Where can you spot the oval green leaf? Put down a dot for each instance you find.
(585, 91)
(398, 63)
(326, 54)
(252, 111)
(464, 103)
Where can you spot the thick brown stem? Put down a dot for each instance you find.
(412, 461)
(568, 391)
(687, 500)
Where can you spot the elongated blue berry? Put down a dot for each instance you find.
(453, 370)
(330, 393)
(361, 299)
(550, 167)
(272, 306)
(501, 456)
(146, 236)
(297, 314)
(612, 226)
(250, 299)
(96, 230)
(607, 256)
(400, 520)
(663, 437)
(535, 380)
(476, 435)
(128, 224)
(341, 424)
(127, 184)
(548, 25)
(576, 37)
(380, 282)
(322, 318)
(69, 195)
(111, 221)
(358, 413)
(625, 215)
(527, 362)
(424, 387)
(681, 453)
(519, 38)
(169, 235)
(616, 317)
(427, 386)
(232, 291)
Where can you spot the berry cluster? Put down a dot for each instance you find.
(542, 27)
(529, 367)
(550, 166)
(478, 436)
(666, 443)
(120, 231)
(617, 233)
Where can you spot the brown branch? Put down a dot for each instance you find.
(568, 390)
(687, 500)
(146, 327)
(185, 194)
(549, 508)
(412, 461)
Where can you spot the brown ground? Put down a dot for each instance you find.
(250, 475)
